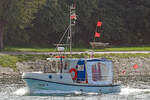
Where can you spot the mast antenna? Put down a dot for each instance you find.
(73, 18)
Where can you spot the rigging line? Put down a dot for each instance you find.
(66, 45)
(63, 35)
(61, 40)
(68, 38)
(67, 42)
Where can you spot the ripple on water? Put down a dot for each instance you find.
(135, 91)
(129, 91)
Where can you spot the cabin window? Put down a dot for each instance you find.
(80, 67)
(53, 63)
(59, 66)
(66, 65)
(96, 72)
(56, 65)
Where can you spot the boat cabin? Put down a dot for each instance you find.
(88, 71)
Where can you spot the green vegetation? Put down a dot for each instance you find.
(17, 49)
(8, 61)
(110, 56)
(134, 48)
(138, 48)
(117, 48)
(15, 17)
(43, 22)
(11, 60)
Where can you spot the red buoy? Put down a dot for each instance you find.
(135, 66)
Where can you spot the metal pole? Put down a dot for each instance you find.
(70, 32)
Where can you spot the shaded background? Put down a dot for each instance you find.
(41, 23)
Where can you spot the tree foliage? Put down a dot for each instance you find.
(42, 22)
(18, 14)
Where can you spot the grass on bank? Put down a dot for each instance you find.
(18, 49)
(11, 60)
(113, 48)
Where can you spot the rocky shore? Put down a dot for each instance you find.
(123, 68)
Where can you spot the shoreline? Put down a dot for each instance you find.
(75, 52)
(123, 67)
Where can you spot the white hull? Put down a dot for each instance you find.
(42, 83)
(36, 84)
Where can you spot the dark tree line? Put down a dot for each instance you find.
(43, 22)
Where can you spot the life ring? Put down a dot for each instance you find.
(75, 71)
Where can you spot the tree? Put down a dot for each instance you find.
(18, 14)
(50, 23)
(42, 22)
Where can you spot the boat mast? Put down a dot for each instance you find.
(70, 30)
(72, 22)
(70, 35)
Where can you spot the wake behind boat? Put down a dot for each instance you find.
(80, 74)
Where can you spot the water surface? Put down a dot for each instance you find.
(15, 89)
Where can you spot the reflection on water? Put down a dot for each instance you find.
(10, 90)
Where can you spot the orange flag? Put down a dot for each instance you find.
(73, 17)
(99, 24)
(97, 34)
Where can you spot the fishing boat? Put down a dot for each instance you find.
(73, 74)
(85, 75)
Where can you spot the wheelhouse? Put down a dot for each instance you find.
(91, 71)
